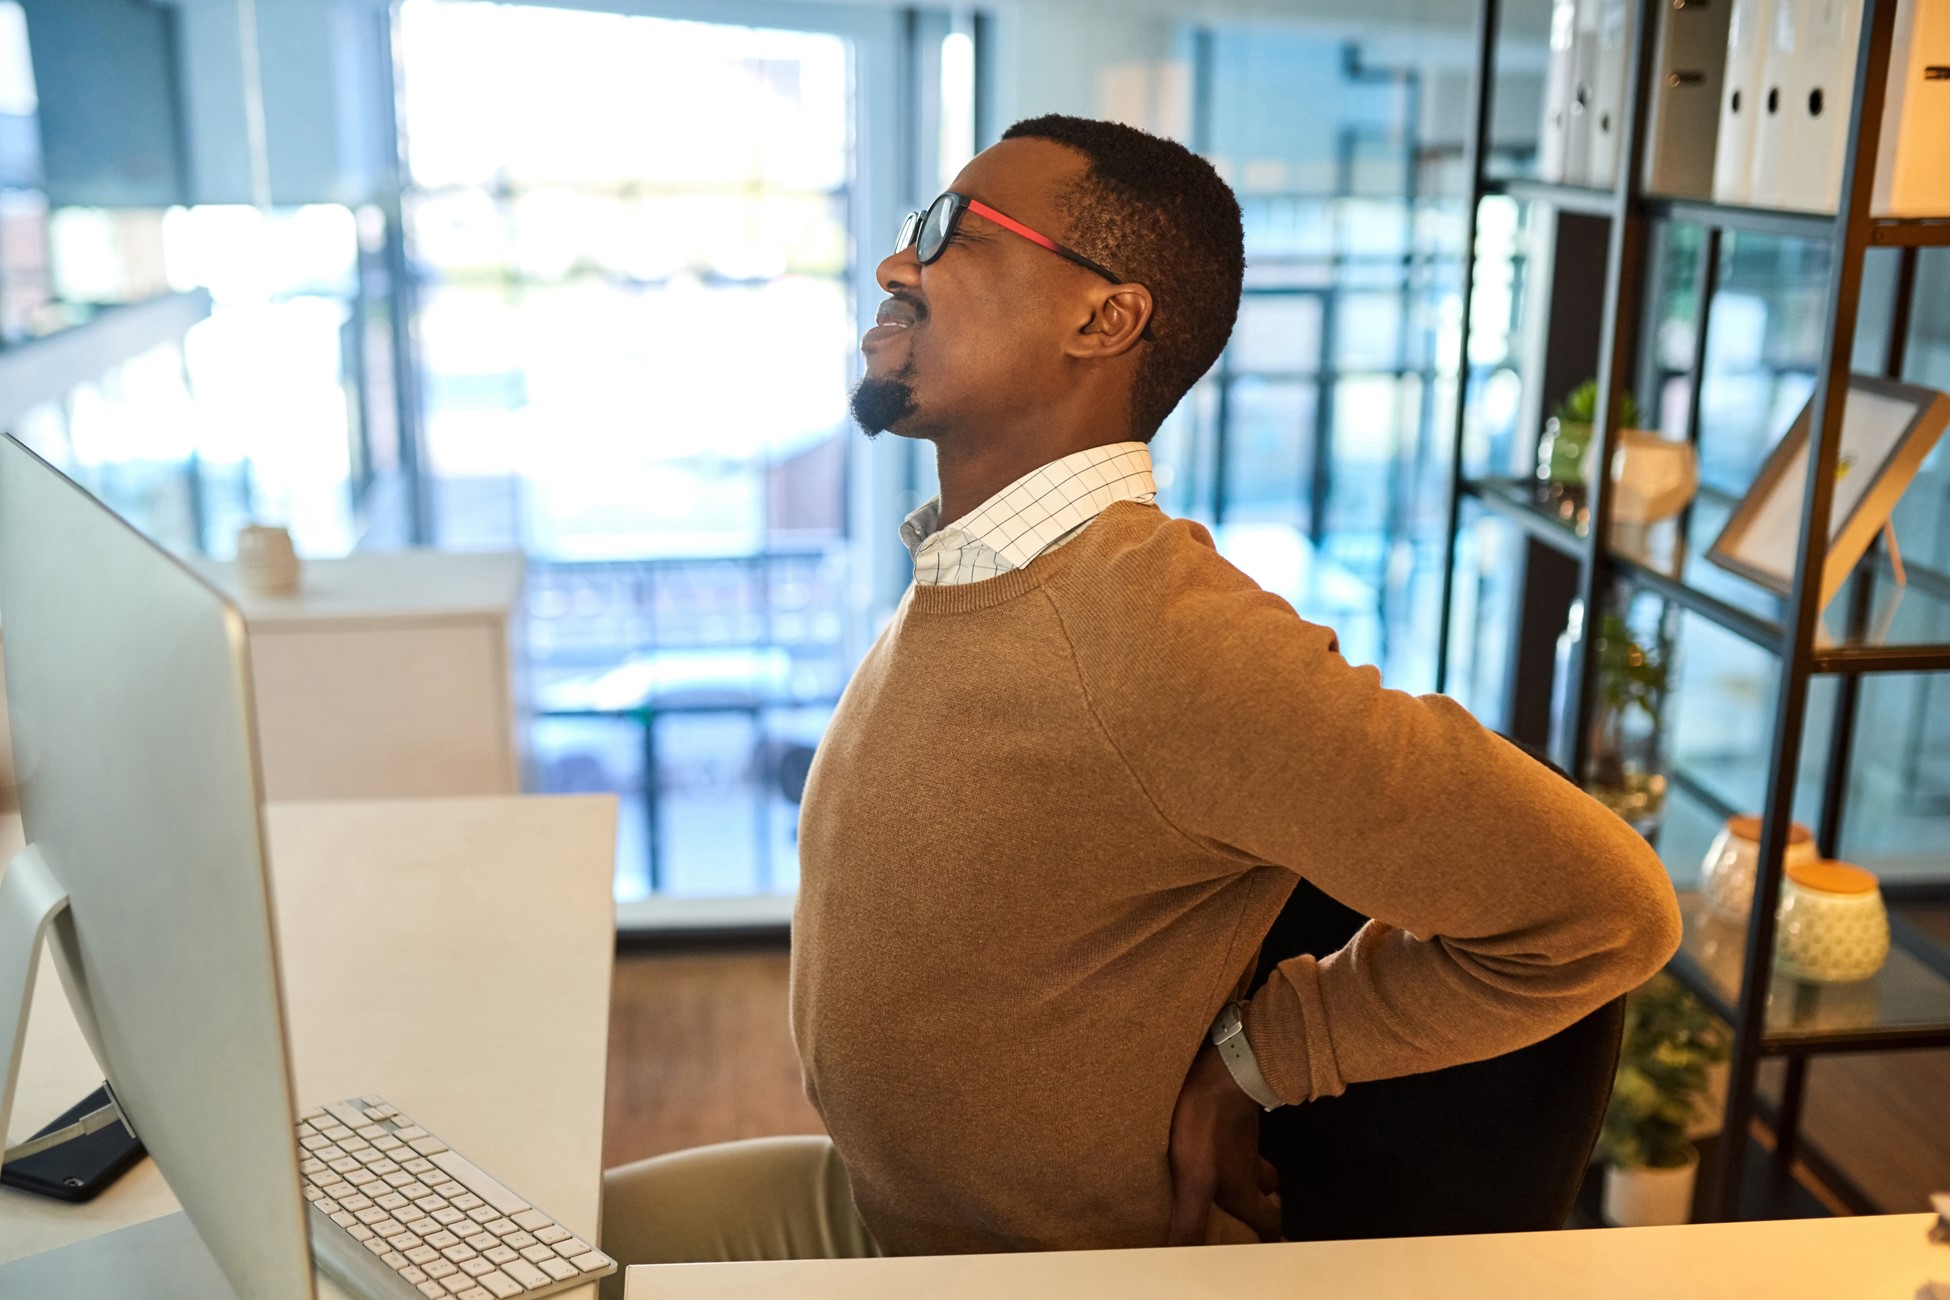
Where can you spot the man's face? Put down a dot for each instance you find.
(978, 333)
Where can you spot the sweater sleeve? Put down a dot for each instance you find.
(1505, 902)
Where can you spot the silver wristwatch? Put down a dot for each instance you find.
(1229, 1036)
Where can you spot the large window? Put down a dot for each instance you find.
(636, 329)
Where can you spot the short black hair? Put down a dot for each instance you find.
(1157, 214)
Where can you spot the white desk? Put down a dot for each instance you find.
(388, 676)
(486, 924)
(1882, 1258)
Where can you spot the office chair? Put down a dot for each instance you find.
(1493, 1146)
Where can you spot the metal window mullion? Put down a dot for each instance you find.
(1476, 135)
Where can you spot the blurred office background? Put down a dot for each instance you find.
(584, 280)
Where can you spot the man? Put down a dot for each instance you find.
(1075, 779)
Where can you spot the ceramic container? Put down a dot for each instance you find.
(267, 564)
(1652, 477)
(1650, 1198)
(1833, 926)
(1727, 875)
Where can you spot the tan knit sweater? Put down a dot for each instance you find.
(1050, 824)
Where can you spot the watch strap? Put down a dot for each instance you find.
(1229, 1036)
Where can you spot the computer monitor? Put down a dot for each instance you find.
(128, 683)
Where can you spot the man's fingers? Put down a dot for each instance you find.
(1260, 1212)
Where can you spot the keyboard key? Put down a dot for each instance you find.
(376, 1245)
(460, 1253)
(358, 1230)
(392, 1201)
(476, 1266)
(538, 1253)
(362, 1178)
(467, 1201)
(393, 1259)
(456, 1285)
(326, 1205)
(475, 1293)
(343, 1165)
(549, 1234)
(534, 1221)
(484, 1214)
(345, 1219)
(423, 1255)
(499, 1227)
(442, 1239)
(399, 1178)
(382, 1167)
(314, 1195)
(500, 1254)
(558, 1268)
(449, 1216)
(311, 1114)
(424, 1225)
(521, 1241)
(409, 1133)
(415, 1274)
(483, 1241)
(428, 1146)
(355, 1203)
(346, 1113)
(572, 1247)
(314, 1142)
(440, 1268)
(526, 1273)
(595, 1261)
(448, 1187)
(311, 1166)
(433, 1291)
(419, 1166)
(371, 1131)
(373, 1217)
(501, 1286)
(383, 1143)
(402, 1240)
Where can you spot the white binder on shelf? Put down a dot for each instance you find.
(1683, 117)
(1913, 157)
(1819, 108)
(1560, 79)
(1606, 118)
(1584, 91)
(1733, 154)
(1777, 126)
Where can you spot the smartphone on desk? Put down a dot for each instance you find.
(77, 1170)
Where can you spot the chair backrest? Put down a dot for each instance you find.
(1499, 1145)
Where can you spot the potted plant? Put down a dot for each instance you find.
(1671, 1043)
(1567, 436)
(1622, 769)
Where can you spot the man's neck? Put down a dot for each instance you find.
(970, 475)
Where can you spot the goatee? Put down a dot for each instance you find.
(880, 404)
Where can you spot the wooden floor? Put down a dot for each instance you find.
(700, 1051)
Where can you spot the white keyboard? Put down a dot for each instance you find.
(397, 1215)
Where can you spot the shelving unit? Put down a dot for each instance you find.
(1730, 966)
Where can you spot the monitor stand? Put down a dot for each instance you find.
(163, 1259)
(30, 898)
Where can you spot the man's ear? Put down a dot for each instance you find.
(1114, 328)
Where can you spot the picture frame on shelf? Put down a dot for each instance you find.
(1888, 428)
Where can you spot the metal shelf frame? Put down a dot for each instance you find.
(1850, 233)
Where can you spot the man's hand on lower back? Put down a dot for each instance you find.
(1215, 1156)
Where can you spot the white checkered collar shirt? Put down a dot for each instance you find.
(1038, 512)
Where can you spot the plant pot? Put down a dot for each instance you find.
(1650, 1198)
